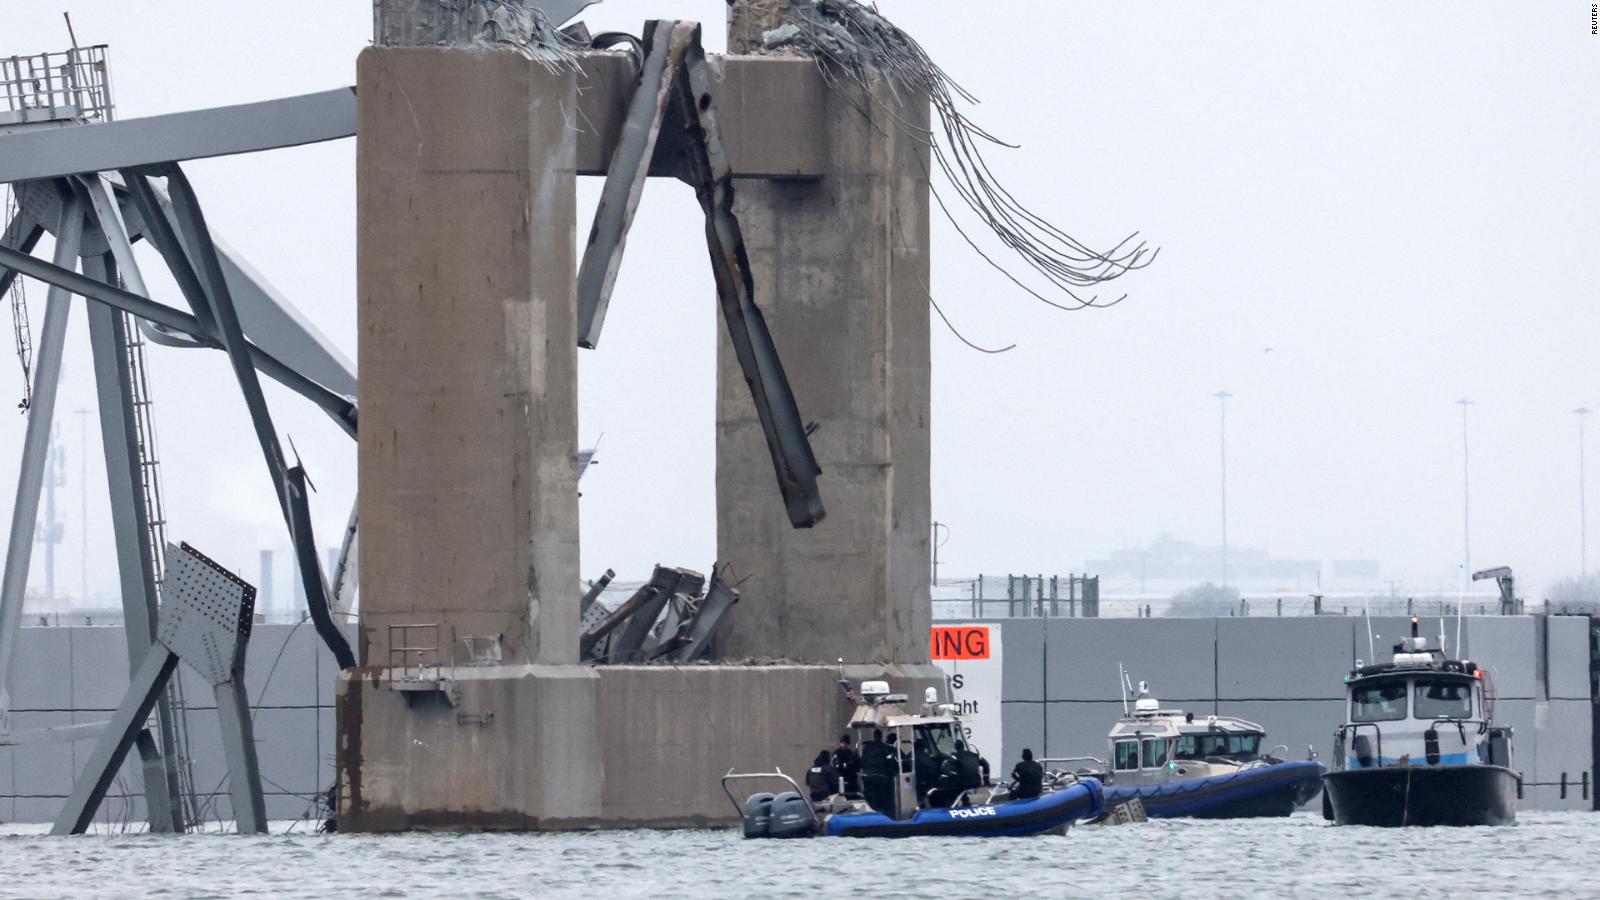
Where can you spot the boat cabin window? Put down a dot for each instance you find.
(1202, 746)
(1444, 699)
(938, 737)
(1126, 756)
(1155, 753)
(1383, 702)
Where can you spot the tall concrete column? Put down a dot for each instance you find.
(842, 271)
(468, 360)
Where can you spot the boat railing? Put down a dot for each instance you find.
(1352, 730)
(1461, 725)
(775, 775)
(1043, 760)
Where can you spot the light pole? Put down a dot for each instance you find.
(83, 506)
(1466, 498)
(936, 545)
(1222, 429)
(1583, 500)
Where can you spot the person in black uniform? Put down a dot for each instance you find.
(821, 779)
(878, 764)
(848, 764)
(959, 772)
(1027, 778)
(972, 769)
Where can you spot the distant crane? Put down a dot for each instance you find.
(1502, 577)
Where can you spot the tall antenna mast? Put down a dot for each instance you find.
(1372, 647)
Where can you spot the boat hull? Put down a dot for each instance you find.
(1395, 796)
(1267, 791)
(1052, 813)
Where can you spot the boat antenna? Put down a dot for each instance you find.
(1459, 654)
(1125, 686)
(1372, 649)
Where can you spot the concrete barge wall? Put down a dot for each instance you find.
(73, 675)
(1057, 694)
(1060, 693)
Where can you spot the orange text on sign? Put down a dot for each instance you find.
(963, 642)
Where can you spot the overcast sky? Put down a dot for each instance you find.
(1398, 201)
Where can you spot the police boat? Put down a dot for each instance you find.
(1419, 745)
(900, 794)
(1178, 765)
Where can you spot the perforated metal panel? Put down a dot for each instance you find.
(206, 613)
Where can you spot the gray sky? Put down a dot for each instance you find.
(1398, 199)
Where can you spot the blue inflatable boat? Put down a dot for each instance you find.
(1264, 790)
(789, 815)
(1051, 813)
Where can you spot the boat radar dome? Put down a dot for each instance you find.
(874, 690)
(930, 696)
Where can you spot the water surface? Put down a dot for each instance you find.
(1546, 854)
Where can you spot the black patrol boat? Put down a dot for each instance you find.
(1419, 745)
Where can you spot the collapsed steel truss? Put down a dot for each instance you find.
(99, 189)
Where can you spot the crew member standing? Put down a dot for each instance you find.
(848, 765)
(878, 767)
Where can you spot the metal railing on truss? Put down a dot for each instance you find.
(48, 87)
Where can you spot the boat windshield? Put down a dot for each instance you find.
(1383, 702)
(940, 738)
(1201, 746)
(1444, 699)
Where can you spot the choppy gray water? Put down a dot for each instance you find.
(1547, 854)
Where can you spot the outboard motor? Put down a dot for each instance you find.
(1363, 747)
(791, 817)
(757, 815)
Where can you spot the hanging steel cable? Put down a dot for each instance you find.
(854, 42)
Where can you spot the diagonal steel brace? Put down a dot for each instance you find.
(710, 173)
(674, 76)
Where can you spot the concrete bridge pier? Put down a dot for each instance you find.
(468, 711)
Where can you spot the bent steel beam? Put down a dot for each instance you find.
(195, 134)
(346, 575)
(159, 231)
(630, 169)
(35, 447)
(706, 158)
(305, 552)
(269, 320)
(341, 409)
(708, 618)
(194, 235)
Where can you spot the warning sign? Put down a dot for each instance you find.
(961, 642)
(970, 656)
